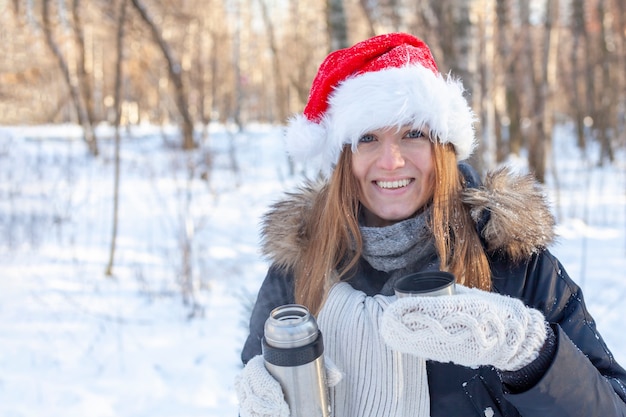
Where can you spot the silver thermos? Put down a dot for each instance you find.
(293, 350)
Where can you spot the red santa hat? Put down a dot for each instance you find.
(388, 80)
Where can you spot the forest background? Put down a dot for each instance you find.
(527, 65)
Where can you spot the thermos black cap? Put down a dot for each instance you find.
(294, 356)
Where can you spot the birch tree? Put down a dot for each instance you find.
(74, 88)
(174, 69)
(119, 58)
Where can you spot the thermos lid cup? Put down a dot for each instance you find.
(429, 283)
(290, 326)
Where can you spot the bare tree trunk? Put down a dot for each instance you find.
(620, 36)
(608, 94)
(589, 79)
(336, 23)
(541, 142)
(304, 62)
(579, 33)
(85, 87)
(175, 74)
(118, 117)
(462, 39)
(552, 80)
(237, 70)
(488, 115)
(279, 79)
(204, 78)
(484, 158)
(514, 45)
(88, 131)
(502, 84)
(186, 239)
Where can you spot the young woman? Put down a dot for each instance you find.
(515, 340)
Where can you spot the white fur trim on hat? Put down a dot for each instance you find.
(410, 95)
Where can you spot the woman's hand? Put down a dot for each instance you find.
(259, 394)
(471, 328)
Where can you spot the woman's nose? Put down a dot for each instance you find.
(391, 157)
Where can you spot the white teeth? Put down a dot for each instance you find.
(393, 184)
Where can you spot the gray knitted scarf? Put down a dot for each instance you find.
(377, 381)
(400, 249)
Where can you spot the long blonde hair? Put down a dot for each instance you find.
(335, 239)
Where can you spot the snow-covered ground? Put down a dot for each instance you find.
(75, 343)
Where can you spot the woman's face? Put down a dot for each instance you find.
(394, 169)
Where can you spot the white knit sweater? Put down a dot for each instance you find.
(377, 381)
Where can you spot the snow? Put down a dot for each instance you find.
(74, 342)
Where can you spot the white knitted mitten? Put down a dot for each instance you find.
(259, 394)
(471, 328)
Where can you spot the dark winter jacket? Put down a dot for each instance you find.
(515, 223)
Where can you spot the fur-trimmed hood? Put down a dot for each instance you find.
(511, 210)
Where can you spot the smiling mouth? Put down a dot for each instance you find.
(390, 185)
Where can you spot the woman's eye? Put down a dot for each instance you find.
(415, 134)
(367, 138)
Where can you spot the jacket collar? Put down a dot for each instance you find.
(510, 211)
